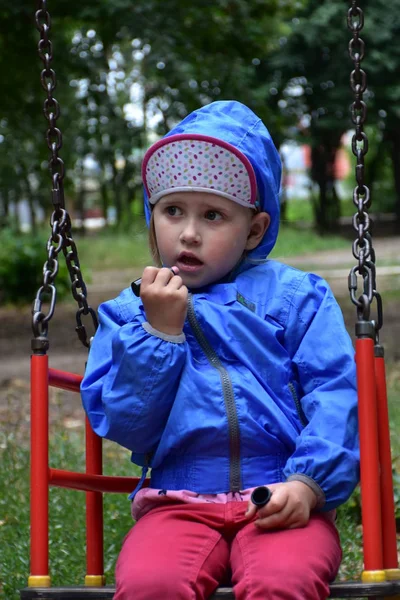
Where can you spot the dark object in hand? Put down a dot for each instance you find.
(135, 286)
(261, 496)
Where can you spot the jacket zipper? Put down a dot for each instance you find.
(299, 408)
(229, 398)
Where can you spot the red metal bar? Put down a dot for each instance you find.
(65, 380)
(93, 483)
(94, 505)
(370, 480)
(389, 542)
(39, 466)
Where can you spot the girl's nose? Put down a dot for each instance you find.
(190, 234)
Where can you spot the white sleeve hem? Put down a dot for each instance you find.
(175, 339)
(311, 484)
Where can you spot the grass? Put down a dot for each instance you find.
(302, 209)
(67, 513)
(108, 250)
(293, 241)
(113, 250)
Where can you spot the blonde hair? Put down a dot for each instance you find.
(155, 254)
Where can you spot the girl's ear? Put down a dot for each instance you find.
(258, 226)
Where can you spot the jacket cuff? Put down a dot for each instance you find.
(311, 484)
(175, 339)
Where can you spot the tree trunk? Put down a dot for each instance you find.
(394, 137)
(374, 164)
(81, 200)
(17, 220)
(283, 190)
(31, 203)
(327, 208)
(5, 204)
(117, 196)
(80, 207)
(104, 201)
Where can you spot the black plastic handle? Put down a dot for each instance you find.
(135, 286)
(261, 496)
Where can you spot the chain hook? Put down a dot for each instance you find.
(61, 236)
(363, 250)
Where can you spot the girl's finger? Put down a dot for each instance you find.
(164, 276)
(280, 519)
(175, 282)
(251, 510)
(278, 502)
(149, 275)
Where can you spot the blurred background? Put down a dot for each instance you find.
(126, 73)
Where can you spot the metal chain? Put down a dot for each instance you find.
(362, 245)
(61, 236)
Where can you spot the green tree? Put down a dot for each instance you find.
(190, 55)
(313, 87)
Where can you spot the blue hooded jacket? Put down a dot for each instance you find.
(261, 386)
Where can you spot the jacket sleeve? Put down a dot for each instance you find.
(323, 360)
(130, 381)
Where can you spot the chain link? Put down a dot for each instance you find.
(61, 236)
(362, 248)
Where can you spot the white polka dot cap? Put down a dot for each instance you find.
(198, 163)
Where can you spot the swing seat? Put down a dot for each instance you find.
(94, 483)
(349, 589)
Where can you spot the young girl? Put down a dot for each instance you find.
(230, 371)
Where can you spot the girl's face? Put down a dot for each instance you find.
(203, 234)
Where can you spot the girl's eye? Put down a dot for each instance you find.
(213, 215)
(173, 211)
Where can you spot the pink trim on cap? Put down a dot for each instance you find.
(160, 179)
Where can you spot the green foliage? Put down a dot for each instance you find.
(314, 94)
(21, 266)
(124, 72)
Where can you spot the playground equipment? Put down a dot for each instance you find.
(381, 575)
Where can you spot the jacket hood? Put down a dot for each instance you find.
(236, 124)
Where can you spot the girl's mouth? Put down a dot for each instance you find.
(189, 263)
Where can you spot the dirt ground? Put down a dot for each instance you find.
(67, 353)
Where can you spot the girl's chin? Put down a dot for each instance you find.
(195, 280)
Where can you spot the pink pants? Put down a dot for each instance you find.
(184, 551)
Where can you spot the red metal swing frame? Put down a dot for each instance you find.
(381, 575)
(42, 476)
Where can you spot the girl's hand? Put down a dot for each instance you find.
(289, 507)
(164, 299)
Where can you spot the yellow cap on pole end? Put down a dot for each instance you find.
(95, 580)
(373, 576)
(392, 574)
(39, 581)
